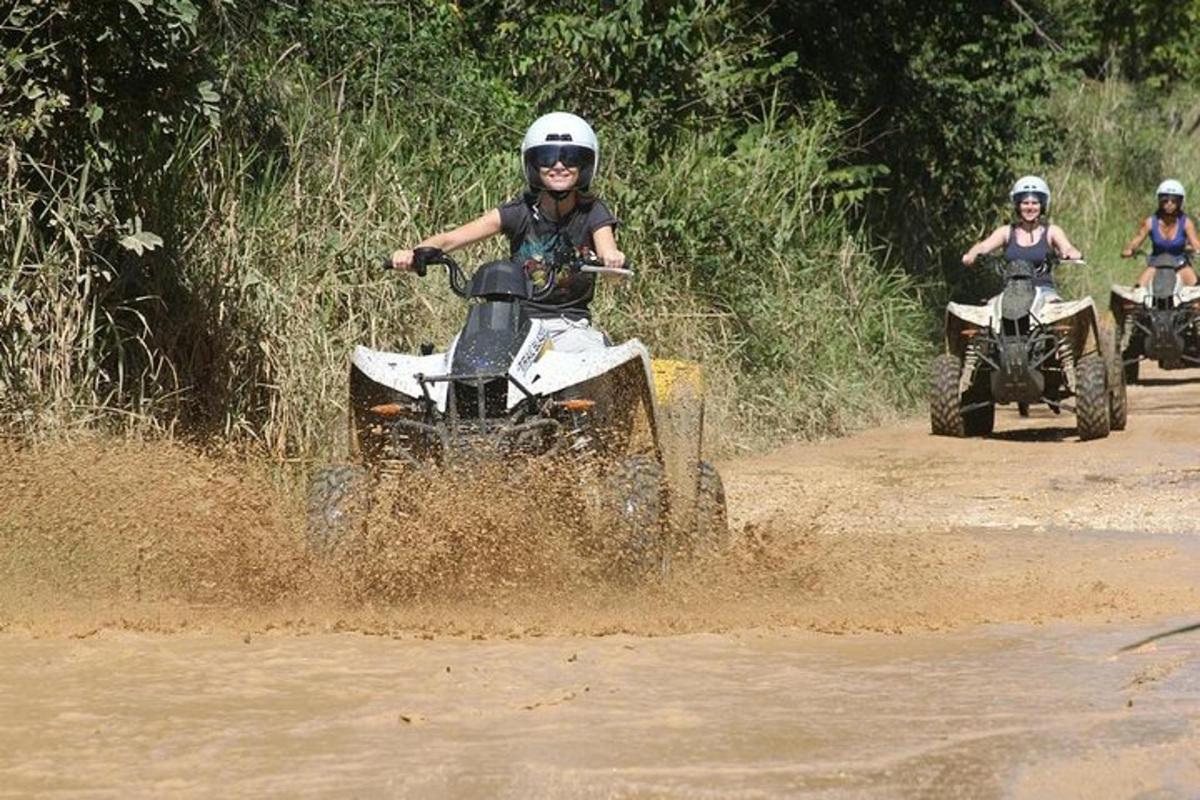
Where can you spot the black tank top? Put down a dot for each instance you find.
(1037, 254)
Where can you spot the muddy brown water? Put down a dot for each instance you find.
(900, 616)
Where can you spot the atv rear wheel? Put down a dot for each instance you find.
(631, 542)
(338, 502)
(1091, 398)
(712, 519)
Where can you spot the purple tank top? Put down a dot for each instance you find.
(1037, 254)
(1176, 245)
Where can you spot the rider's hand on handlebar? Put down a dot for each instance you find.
(614, 259)
(968, 258)
(1127, 252)
(402, 260)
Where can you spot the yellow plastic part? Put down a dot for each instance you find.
(671, 375)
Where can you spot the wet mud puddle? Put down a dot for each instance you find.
(999, 711)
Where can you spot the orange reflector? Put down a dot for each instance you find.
(578, 404)
(388, 409)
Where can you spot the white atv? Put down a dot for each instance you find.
(1161, 323)
(1024, 346)
(626, 429)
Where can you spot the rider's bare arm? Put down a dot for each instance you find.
(1138, 238)
(998, 239)
(448, 241)
(606, 247)
(1189, 228)
(1062, 245)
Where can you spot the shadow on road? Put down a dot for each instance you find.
(1166, 381)
(1163, 409)
(1054, 434)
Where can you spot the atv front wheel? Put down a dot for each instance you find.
(631, 541)
(1131, 372)
(1092, 398)
(1118, 401)
(712, 519)
(946, 416)
(979, 421)
(338, 502)
(1118, 396)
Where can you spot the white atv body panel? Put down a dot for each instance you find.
(1138, 295)
(398, 371)
(1043, 312)
(537, 366)
(1053, 312)
(976, 315)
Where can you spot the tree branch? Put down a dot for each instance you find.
(1055, 46)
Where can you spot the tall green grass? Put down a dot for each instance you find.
(244, 321)
(741, 265)
(1121, 143)
(241, 325)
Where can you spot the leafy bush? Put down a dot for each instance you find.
(93, 97)
(952, 99)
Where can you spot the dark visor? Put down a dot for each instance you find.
(571, 155)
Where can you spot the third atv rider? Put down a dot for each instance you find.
(550, 224)
(1031, 237)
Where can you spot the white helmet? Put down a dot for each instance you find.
(1032, 184)
(559, 136)
(1171, 186)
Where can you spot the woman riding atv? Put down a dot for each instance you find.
(1171, 233)
(549, 226)
(1031, 237)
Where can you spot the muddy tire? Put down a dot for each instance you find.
(631, 540)
(338, 502)
(980, 421)
(945, 407)
(1131, 372)
(712, 518)
(1118, 399)
(1091, 398)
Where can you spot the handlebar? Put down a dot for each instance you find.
(623, 272)
(999, 262)
(423, 257)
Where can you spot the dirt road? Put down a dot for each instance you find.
(901, 616)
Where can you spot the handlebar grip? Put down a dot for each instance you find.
(423, 257)
(385, 262)
(624, 272)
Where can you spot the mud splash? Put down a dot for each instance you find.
(153, 536)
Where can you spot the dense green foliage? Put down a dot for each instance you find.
(950, 96)
(192, 192)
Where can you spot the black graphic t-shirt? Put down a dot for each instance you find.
(538, 243)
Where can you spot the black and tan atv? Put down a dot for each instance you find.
(1025, 347)
(1161, 322)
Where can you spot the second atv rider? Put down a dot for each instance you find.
(1031, 237)
(552, 223)
(1171, 232)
